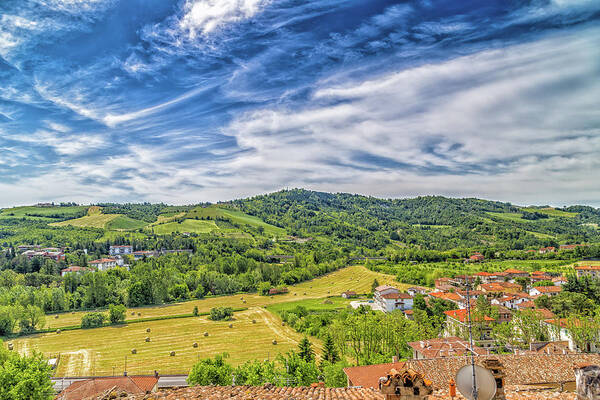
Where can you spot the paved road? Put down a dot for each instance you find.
(166, 381)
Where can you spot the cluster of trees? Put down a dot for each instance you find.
(295, 368)
(221, 313)
(24, 377)
(116, 315)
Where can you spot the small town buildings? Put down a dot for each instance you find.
(104, 264)
(510, 301)
(568, 247)
(499, 288)
(120, 250)
(415, 290)
(388, 298)
(545, 290)
(74, 269)
(444, 284)
(457, 325)
(450, 346)
(504, 314)
(349, 294)
(588, 270)
(559, 280)
(487, 277)
(545, 250)
(513, 273)
(560, 347)
(538, 276)
(51, 253)
(448, 296)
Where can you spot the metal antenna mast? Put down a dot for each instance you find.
(475, 396)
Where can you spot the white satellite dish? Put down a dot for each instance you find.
(486, 384)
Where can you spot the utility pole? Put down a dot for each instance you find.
(475, 394)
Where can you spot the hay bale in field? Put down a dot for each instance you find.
(148, 330)
(172, 354)
(58, 331)
(205, 334)
(56, 317)
(139, 314)
(329, 291)
(295, 294)
(241, 298)
(133, 351)
(274, 342)
(244, 301)
(253, 321)
(133, 313)
(283, 324)
(10, 346)
(195, 345)
(304, 294)
(230, 325)
(148, 339)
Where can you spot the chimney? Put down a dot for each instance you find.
(404, 385)
(587, 378)
(497, 369)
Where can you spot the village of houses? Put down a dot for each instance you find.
(503, 293)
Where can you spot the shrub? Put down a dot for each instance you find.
(116, 313)
(221, 313)
(195, 312)
(211, 372)
(92, 320)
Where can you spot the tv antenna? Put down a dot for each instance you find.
(472, 381)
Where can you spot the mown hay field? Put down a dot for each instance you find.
(102, 351)
(355, 277)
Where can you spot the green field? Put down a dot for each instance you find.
(508, 216)
(124, 222)
(42, 213)
(327, 304)
(552, 212)
(187, 225)
(97, 351)
(236, 217)
(90, 221)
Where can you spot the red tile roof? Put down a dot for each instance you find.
(396, 296)
(515, 271)
(75, 268)
(445, 347)
(446, 296)
(461, 315)
(95, 386)
(588, 268)
(548, 289)
(381, 288)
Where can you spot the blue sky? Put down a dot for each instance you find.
(205, 100)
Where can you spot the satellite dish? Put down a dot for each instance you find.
(486, 384)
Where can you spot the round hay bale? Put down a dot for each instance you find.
(58, 331)
(304, 294)
(230, 325)
(56, 317)
(133, 351)
(133, 313)
(139, 314)
(329, 291)
(295, 294)
(253, 321)
(241, 298)
(148, 330)
(10, 346)
(195, 345)
(244, 301)
(205, 334)
(283, 324)
(148, 339)
(172, 354)
(274, 342)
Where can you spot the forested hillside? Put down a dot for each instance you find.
(429, 222)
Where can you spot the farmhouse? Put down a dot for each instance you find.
(413, 291)
(545, 290)
(138, 255)
(476, 257)
(448, 296)
(510, 301)
(513, 273)
(120, 250)
(388, 298)
(559, 280)
(74, 269)
(104, 264)
(349, 294)
(545, 250)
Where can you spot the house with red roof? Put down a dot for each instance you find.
(451, 346)
(589, 270)
(476, 257)
(74, 269)
(513, 273)
(545, 290)
(545, 250)
(104, 264)
(389, 298)
(457, 324)
(90, 388)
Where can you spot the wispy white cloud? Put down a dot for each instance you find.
(205, 16)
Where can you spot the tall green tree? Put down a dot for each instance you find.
(305, 350)
(330, 353)
(24, 378)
